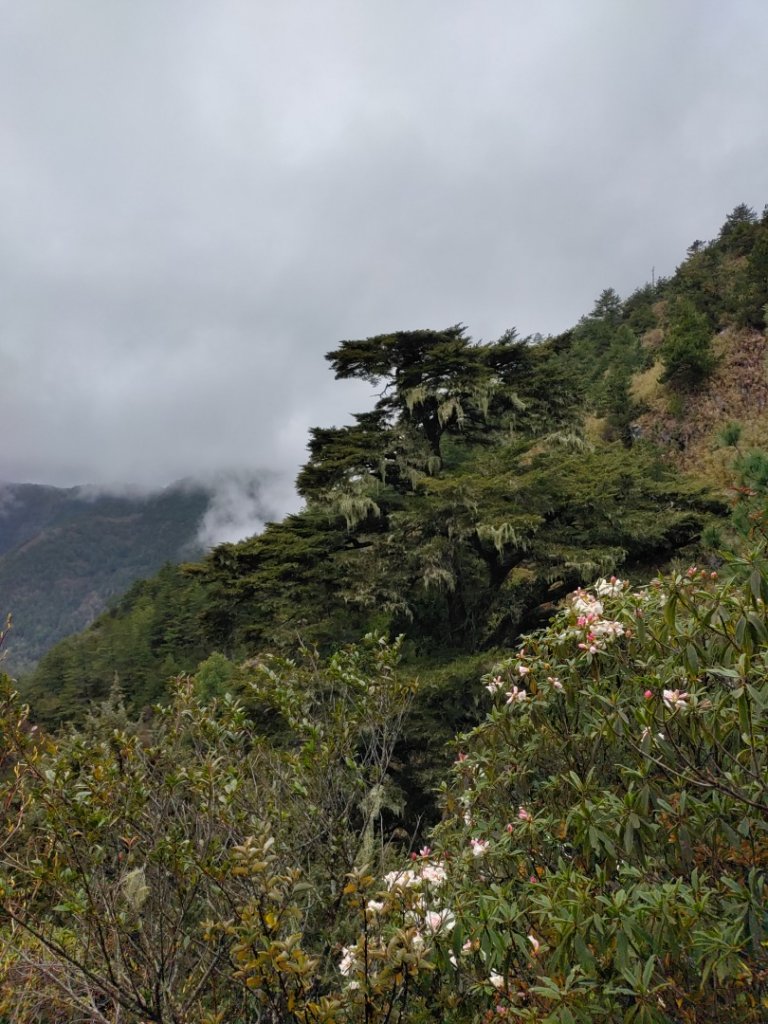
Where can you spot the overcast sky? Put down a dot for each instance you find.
(199, 199)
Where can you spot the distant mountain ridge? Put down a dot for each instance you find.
(66, 552)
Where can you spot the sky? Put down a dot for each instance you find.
(199, 200)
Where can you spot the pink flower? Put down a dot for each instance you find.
(510, 828)
(524, 815)
(516, 696)
(648, 694)
(436, 920)
(591, 647)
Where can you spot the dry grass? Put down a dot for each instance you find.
(645, 385)
(593, 427)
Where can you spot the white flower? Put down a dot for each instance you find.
(479, 847)
(535, 943)
(435, 874)
(554, 682)
(496, 980)
(584, 604)
(375, 906)
(404, 879)
(607, 628)
(437, 920)
(609, 588)
(523, 670)
(347, 962)
(494, 685)
(674, 699)
(516, 696)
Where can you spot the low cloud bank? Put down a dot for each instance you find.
(241, 502)
(241, 505)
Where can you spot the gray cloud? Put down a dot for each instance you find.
(198, 200)
(241, 505)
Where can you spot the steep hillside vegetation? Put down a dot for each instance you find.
(590, 848)
(486, 482)
(601, 854)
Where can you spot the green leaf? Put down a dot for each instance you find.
(648, 970)
(756, 584)
(692, 657)
(585, 957)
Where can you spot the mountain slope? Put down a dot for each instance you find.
(487, 481)
(64, 553)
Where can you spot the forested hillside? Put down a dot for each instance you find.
(487, 481)
(244, 857)
(463, 646)
(64, 553)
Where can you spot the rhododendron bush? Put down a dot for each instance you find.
(601, 856)
(624, 806)
(603, 849)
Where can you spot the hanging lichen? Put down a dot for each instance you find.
(449, 409)
(415, 396)
(356, 508)
(439, 577)
(135, 889)
(502, 536)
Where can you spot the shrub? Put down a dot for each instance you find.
(602, 854)
(687, 347)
